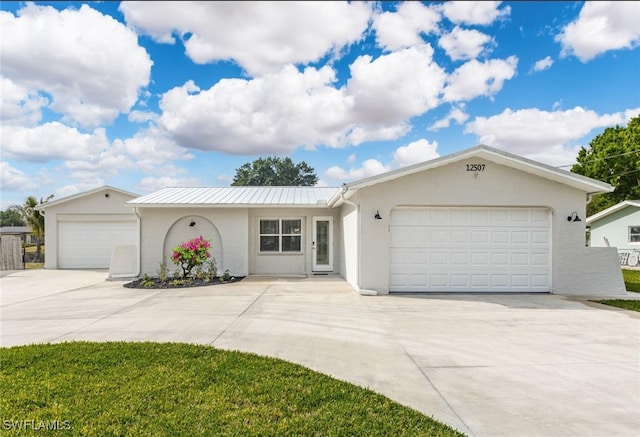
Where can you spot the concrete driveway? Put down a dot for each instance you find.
(487, 365)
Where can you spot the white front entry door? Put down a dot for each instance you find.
(322, 244)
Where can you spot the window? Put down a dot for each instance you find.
(634, 234)
(280, 235)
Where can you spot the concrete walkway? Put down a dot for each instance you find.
(487, 365)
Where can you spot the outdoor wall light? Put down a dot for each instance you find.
(192, 224)
(377, 216)
(573, 217)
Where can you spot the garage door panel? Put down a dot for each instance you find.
(86, 245)
(470, 249)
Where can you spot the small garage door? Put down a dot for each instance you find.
(470, 250)
(88, 245)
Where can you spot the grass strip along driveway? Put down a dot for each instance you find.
(176, 389)
(632, 283)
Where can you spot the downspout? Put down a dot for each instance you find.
(362, 291)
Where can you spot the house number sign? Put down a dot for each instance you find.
(475, 167)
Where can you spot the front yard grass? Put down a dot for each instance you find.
(175, 389)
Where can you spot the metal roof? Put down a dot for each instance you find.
(237, 196)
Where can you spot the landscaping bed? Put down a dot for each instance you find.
(147, 282)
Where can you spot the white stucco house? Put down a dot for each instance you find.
(480, 220)
(81, 231)
(618, 226)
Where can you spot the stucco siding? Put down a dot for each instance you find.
(160, 226)
(299, 263)
(351, 259)
(452, 185)
(95, 207)
(615, 228)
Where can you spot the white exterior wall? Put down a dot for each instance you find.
(497, 185)
(615, 227)
(231, 224)
(94, 207)
(290, 263)
(350, 246)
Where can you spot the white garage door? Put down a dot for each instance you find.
(470, 250)
(88, 245)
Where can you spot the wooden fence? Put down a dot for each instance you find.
(11, 253)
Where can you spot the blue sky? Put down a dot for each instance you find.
(143, 95)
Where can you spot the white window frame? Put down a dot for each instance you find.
(279, 235)
(636, 235)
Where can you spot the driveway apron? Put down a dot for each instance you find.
(487, 365)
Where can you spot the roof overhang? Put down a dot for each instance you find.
(84, 194)
(612, 209)
(588, 185)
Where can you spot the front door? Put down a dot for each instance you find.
(322, 245)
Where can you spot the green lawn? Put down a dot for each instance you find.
(631, 279)
(174, 389)
(632, 283)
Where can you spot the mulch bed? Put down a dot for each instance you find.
(154, 283)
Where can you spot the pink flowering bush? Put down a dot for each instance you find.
(190, 254)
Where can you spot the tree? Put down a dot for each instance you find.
(11, 217)
(613, 157)
(275, 171)
(32, 217)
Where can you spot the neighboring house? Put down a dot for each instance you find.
(480, 220)
(618, 226)
(24, 232)
(82, 230)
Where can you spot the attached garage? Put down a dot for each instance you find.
(477, 221)
(88, 245)
(81, 231)
(489, 249)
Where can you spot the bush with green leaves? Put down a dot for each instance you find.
(190, 254)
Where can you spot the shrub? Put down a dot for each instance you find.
(163, 272)
(226, 275)
(190, 254)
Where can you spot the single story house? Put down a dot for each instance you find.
(81, 231)
(479, 220)
(24, 232)
(618, 226)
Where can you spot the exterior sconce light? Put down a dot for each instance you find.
(192, 224)
(573, 217)
(377, 216)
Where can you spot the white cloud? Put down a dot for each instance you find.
(403, 28)
(370, 167)
(413, 153)
(351, 159)
(66, 54)
(50, 141)
(541, 135)
(12, 179)
(600, 27)
(480, 13)
(271, 114)
(456, 114)
(397, 86)
(475, 78)
(150, 183)
(463, 44)
(542, 64)
(261, 37)
(18, 105)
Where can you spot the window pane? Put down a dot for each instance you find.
(269, 244)
(269, 227)
(291, 244)
(291, 226)
(634, 234)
